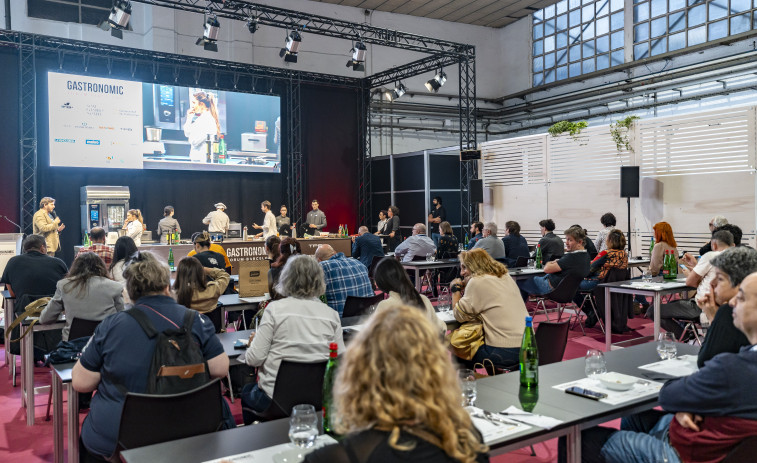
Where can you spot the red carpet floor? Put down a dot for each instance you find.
(23, 444)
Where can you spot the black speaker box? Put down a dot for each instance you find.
(477, 190)
(629, 182)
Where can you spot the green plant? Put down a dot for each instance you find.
(572, 128)
(619, 131)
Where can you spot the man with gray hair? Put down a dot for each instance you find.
(344, 277)
(698, 274)
(366, 246)
(417, 245)
(715, 223)
(490, 243)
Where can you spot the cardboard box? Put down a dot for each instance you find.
(253, 277)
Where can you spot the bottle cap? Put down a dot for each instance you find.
(529, 319)
(333, 346)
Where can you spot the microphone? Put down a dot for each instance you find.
(54, 214)
(12, 222)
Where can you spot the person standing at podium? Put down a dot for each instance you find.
(46, 223)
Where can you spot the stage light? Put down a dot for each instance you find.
(357, 63)
(436, 83)
(118, 19)
(252, 25)
(210, 34)
(398, 91)
(289, 53)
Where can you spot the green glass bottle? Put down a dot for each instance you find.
(673, 266)
(529, 357)
(666, 265)
(537, 257)
(222, 153)
(651, 246)
(328, 385)
(528, 398)
(171, 265)
(466, 241)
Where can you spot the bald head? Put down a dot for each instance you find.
(324, 252)
(745, 308)
(362, 230)
(419, 229)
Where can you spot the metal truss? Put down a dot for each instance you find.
(321, 25)
(432, 62)
(295, 165)
(27, 137)
(365, 188)
(467, 108)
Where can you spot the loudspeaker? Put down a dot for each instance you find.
(470, 155)
(477, 190)
(629, 182)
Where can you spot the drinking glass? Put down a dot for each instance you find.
(666, 346)
(467, 380)
(431, 256)
(646, 277)
(531, 263)
(444, 302)
(303, 426)
(595, 363)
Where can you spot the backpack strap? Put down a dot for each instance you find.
(143, 321)
(189, 319)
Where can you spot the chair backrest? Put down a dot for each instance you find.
(566, 289)
(743, 452)
(521, 261)
(81, 328)
(616, 274)
(551, 339)
(356, 306)
(215, 317)
(374, 263)
(149, 419)
(296, 383)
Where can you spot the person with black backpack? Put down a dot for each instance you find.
(157, 347)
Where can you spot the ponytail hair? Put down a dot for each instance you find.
(210, 102)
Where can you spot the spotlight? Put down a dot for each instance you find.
(398, 91)
(289, 53)
(358, 57)
(436, 83)
(118, 20)
(210, 34)
(252, 25)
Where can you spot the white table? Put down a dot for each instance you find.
(27, 368)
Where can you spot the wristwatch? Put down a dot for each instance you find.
(455, 288)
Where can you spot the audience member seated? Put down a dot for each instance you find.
(272, 248)
(698, 275)
(613, 256)
(705, 415)
(663, 242)
(366, 246)
(608, 222)
(490, 295)
(588, 243)
(122, 251)
(199, 287)
(392, 279)
(490, 243)
(735, 231)
(715, 223)
(448, 247)
(574, 262)
(515, 243)
(552, 247)
(392, 410)
(33, 273)
(85, 293)
(297, 328)
(418, 245)
(203, 252)
(288, 247)
(117, 358)
(344, 277)
(98, 246)
(731, 267)
(476, 233)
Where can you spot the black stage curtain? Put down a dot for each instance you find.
(9, 146)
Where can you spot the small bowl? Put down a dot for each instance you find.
(617, 381)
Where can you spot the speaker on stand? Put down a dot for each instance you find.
(629, 188)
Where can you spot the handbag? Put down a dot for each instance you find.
(465, 341)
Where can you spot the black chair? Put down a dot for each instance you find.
(521, 261)
(296, 383)
(743, 452)
(621, 305)
(216, 318)
(563, 295)
(588, 296)
(374, 263)
(356, 306)
(149, 419)
(551, 339)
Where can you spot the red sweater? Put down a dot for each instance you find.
(718, 435)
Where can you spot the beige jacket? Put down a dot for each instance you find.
(394, 299)
(499, 305)
(206, 300)
(44, 226)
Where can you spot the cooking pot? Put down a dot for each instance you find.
(153, 133)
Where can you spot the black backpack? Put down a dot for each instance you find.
(177, 363)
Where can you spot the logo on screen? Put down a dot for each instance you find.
(92, 142)
(67, 105)
(65, 140)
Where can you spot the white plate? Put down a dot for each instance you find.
(617, 381)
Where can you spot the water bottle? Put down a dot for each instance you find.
(328, 385)
(529, 357)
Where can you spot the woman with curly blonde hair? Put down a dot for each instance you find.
(488, 294)
(397, 397)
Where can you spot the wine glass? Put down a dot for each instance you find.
(303, 426)
(646, 277)
(430, 257)
(467, 380)
(444, 302)
(666, 346)
(531, 263)
(595, 363)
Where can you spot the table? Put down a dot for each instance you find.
(418, 265)
(61, 377)
(8, 314)
(618, 287)
(498, 392)
(524, 273)
(228, 339)
(233, 303)
(27, 367)
(638, 263)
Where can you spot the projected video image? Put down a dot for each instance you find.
(99, 122)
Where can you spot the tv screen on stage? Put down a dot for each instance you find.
(112, 123)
